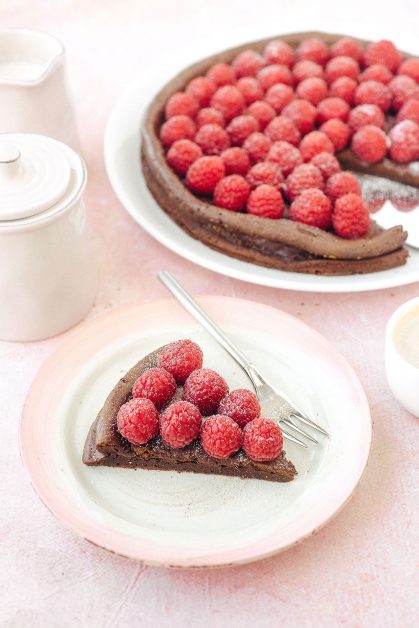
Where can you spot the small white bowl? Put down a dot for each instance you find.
(402, 374)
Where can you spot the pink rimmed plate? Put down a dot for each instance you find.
(192, 520)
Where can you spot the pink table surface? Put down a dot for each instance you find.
(360, 569)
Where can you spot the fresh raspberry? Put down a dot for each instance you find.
(313, 49)
(266, 201)
(344, 87)
(232, 192)
(340, 184)
(138, 421)
(373, 93)
(221, 74)
(229, 100)
(182, 154)
(180, 424)
(262, 440)
(273, 74)
(250, 89)
(204, 174)
(278, 51)
(306, 69)
(236, 160)
(241, 127)
(201, 89)
(410, 67)
(285, 156)
(403, 88)
(326, 163)
(279, 96)
(283, 129)
(337, 131)
(262, 111)
(209, 115)
(248, 63)
(181, 104)
(312, 89)
(257, 146)
(312, 207)
(177, 128)
(409, 111)
(302, 113)
(347, 47)
(302, 178)
(212, 139)
(264, 172)
(155, 384)
(404, 138)
(221, 436)
(377, 72)
(375, 203)
(366, 114)
(240, 405)
(384, 52)
(351, 217)
(314, 143)
(180, 358)
(332, 107)
(370, 143)
(205, 389)
(341, 66)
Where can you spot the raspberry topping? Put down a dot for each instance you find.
(302, 178)
(177, 128)
(250, 89)
(283, 129)
(221, 74)
(347, 47)
(340, 184)
(314, 143)
(180, 358)
(266, 201)
(344, 88)
(248, 63)
(204, 174)
(403, 88)
(332, 107)
(410, 67)
(273, 74)
(350, 218)
(201, 89)
(262, 111)
(373, 93)
(337, 131)
(212, 139)
(409, 111)
(279, 96)
(236, 160)
(366, 114)
(182, 154)
(278, 51)
(155, 384)
(376, 72)
(180, 424)
(404, 138)
(341, 66)
(285, 155)
(205, 389)
(370, 143)
(312, 207)
(138, 421)
(264, 172)
(209, 115)
(326, 163)
(240, 405)
(312, 89)
(257, 146)
(229, 100)
(306, 69)
(313, 49)
(221, 436)
(383, 52)
(262, 440)
(302, 113)
(181, 104)
(241, 127)
(232, 192)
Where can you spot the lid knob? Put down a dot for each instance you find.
(9, 160)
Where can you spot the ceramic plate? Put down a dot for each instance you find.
(192, 520)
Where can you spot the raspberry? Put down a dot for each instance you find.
(409, 111)
(180, 424)
(138, 421)
(326, 163)
(376, 72)
(370, 143)
(313, 49)
(181, 104)
(341, 66)
(314, 143)
(250, 89)
(240, 405)
(285, 156)
(306, 69)
(284, 129)
(373, 93)
(384, 52)
(201, 89)
(180, 358)
(344, 87)
(302, 178)
(266, 201)
(337, 131)
(209, 115)
(229, 100)
(410, 67)
(212, 139)
(302, 113)
(273, 74)
(264, 172)
(177, 128)
(350, 218)
(403, 88)
(205, 389)
(312, 207)
(278, 51)
(279, 96)
(221, 74)
(204, 174)
(366, 114)
(155, 384)
(236, 161)
(248, 63)
(347, 47)
(312, 89)
(257, 146)
(232, 192)
(241, 127)
(182, 154)
(221, 436)
(404, 138)
(332, 107)
(262, 440)
(262, 111)
(340, 184)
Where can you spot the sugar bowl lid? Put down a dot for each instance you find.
(35, 173)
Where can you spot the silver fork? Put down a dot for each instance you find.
(275, 403)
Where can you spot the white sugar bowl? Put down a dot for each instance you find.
(47, 274)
